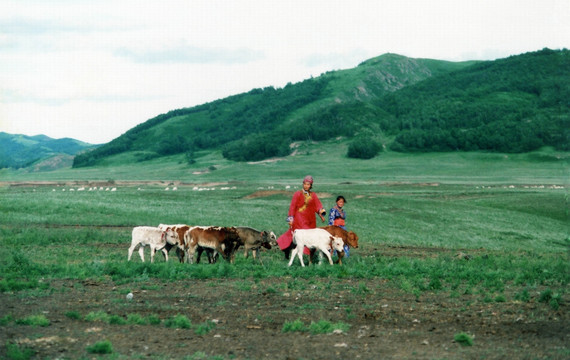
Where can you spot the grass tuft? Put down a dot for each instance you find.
(178, 322)
(14, 352)
(5, 320)
(463, 339)
(74, 315)
(326, 327)
(101, 347)
(97, 316)
(204, 328)
(294, 326)
(34, 320)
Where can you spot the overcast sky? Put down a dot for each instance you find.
(93, 69)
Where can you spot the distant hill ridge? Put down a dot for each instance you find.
(514, 104)
(17, 151)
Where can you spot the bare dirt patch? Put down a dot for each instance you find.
(266, 193)
(384, 321)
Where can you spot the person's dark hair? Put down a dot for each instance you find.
(340, 197)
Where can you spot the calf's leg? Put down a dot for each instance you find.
(131, 249)
(299, 249)
(141, 252)
(292, 257)
(328, 254)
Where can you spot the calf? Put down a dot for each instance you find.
(314, 239)
(181, 230)
(154, 237)
(222, 239)
(252, 239)
(348, 237)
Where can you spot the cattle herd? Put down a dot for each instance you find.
(191, 241)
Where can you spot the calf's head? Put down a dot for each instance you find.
(352, 239)
(170, 236)
(267, 239)
(336, 243)
(272, 238)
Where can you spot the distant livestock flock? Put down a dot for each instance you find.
(191, 241)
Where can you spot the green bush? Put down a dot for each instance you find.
(101, 347)
(257, 147)
(363, 148)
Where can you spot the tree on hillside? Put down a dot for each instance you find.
(363, 148)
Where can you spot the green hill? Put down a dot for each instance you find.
(509, 105)
(17, 151)
(517, 104)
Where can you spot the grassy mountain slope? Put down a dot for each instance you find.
(335, 103)
(20, 150)
(516, 104)
(509, 105)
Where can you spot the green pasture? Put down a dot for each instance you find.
(328, 163)
(515, 236)
(452, 222)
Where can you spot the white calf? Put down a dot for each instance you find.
(154, 237)
(314, 239)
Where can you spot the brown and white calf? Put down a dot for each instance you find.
(348, 237)
(224, 240)
(154, 237)
(319, 239)
(181, 230)
(252, 239)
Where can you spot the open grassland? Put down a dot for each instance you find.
(463, 263)
(328, 163)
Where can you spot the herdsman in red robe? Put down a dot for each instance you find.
(304, 205)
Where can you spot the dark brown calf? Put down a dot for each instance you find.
(253, 239)
(222, 239)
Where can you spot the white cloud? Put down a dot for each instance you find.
(94, 69)
(190, 55)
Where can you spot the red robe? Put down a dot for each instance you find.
(303, 208)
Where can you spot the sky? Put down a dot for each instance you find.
(93, 69)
